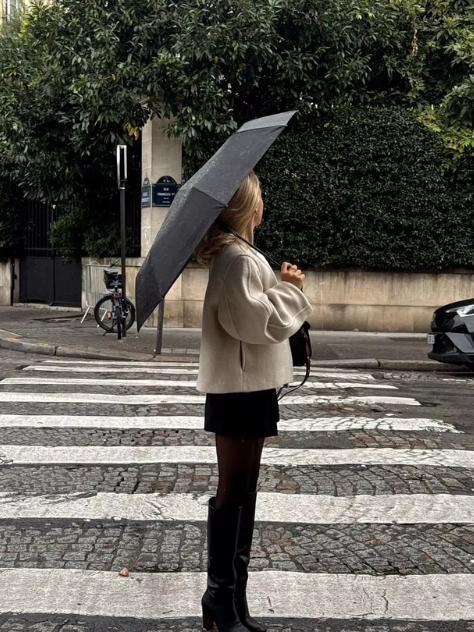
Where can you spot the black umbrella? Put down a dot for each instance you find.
(197, 205)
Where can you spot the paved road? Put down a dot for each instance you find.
(366, 507)
(65, 328)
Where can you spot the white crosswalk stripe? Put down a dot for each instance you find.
(112, 363)
(312, 424)
(171, 383)
(164, 369)
(140, 400)
(272, 507)
(273, 594)
(82, 455)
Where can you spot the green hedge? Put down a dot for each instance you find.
(365, 188)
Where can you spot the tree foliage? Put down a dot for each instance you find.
(440, 70)
(79, 76)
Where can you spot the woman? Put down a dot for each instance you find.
(248, 317)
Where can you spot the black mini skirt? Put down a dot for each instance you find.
(243, 414)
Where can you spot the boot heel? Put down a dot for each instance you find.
(207, 620)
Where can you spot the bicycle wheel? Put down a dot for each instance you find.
(129, 310)
(104, 313)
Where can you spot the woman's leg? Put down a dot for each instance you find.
(244, 544)
(236, 458)
(253, 481)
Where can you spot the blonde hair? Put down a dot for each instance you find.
(237, 215)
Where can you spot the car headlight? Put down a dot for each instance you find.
(466, 310)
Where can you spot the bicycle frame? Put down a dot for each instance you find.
(119, 310)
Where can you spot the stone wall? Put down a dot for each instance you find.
(6, 282)
(342, 301)
(382, 301)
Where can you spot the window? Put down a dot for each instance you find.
(11, 6)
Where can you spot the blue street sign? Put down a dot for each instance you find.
(164, 191)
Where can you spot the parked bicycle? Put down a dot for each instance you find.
(112, 311)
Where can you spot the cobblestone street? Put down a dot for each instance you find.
(365, 520)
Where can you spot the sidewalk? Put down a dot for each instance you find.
(52, 331)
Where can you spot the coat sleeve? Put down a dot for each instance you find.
(255, 316)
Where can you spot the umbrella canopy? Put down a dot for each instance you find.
(197, 205)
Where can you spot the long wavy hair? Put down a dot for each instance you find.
(237, 215)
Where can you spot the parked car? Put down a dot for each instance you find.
(452, 333)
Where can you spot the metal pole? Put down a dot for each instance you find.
(121, 180)
(159, 329)
(123, 249)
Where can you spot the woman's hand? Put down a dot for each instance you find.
(291, 274)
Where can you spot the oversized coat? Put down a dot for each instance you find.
(248, 317)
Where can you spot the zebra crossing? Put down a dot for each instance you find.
(105, 465)
(402, 509)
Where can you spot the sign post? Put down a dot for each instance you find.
(159, 328)
(121, 181)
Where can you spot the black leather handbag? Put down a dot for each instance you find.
(301, 351)
(300, 342)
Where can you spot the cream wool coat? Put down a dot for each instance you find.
(248, 317)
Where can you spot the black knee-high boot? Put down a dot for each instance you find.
(242, 559)
(218, 602)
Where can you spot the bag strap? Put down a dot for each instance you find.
(295, 388)
(227, 228)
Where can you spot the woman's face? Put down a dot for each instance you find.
(258, 212)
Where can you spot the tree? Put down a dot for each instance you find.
(79, 76)
(440, 70)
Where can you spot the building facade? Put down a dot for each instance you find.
(8, 7)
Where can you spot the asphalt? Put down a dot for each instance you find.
(57, 332)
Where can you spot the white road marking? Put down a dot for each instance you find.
(271, 507)
(156, 364)
(85, 455)
(314, 424)
(74, 381)
(271, 594)
(119, 363)
(343, 385)
(142, 400)
(337, 424)
(114, 370)
(184, 370)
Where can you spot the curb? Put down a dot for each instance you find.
(362, 363)
(394, 365)
(15, 343)
(42, 348)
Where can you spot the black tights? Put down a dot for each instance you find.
(238, 459)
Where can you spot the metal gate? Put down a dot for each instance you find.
(45, 276)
